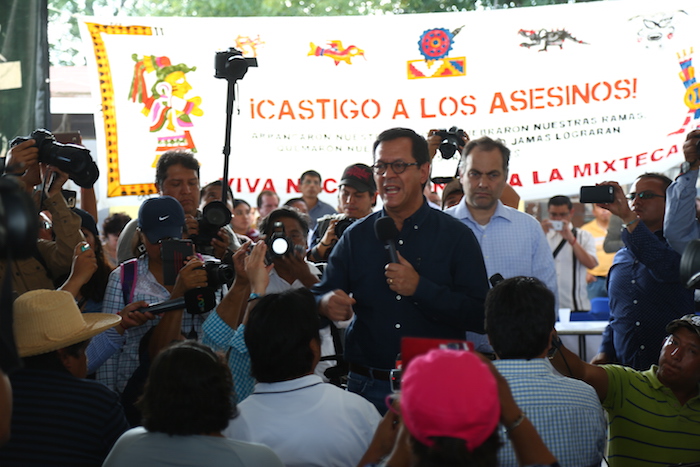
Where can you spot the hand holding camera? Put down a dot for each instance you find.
(619, 205)
(448, 142)
(191, 276)
(70, 158)
(22, 157)
(257, 271)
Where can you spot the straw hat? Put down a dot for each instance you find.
(48, 320)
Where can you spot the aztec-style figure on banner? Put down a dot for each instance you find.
(165, 101)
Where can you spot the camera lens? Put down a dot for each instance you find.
(279, 246)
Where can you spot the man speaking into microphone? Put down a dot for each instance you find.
(436, 289)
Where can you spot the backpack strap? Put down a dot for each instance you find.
(128, 275)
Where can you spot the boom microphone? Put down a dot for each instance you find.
(195, 301)
(386, 232)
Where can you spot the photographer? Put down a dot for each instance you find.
(290, 270)
(457, 138)
(52, 258)
(143, 279)
(574, 252)
(644, 283)
(177, 175)
(357, 195)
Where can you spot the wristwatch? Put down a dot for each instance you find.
(688, 166)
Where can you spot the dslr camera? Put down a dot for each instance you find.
(219, 274)
(452, 141)
(343, 223)
(231, 65)
(278, 244)
(70, 158)
(215, 215)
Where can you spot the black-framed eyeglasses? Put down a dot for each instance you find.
(643, 195)
(398, 167)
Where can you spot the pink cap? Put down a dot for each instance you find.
(450, 393)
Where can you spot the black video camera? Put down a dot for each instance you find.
(70, 158)
(452, 141)
(215, 215)
(232, 65)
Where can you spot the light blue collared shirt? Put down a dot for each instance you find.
(513, 244)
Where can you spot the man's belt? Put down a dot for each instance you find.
(373, 373)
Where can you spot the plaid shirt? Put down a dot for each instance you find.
(223, 338)
(116, 371)
(566, 412)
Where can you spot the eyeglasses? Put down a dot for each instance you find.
(644, 195)
(398, 167)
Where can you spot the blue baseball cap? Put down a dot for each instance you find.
(160, 218)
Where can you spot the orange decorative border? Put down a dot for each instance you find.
(109, 114)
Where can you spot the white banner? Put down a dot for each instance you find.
(580, 93)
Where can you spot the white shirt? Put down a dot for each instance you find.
(307, 422)
(564, 264)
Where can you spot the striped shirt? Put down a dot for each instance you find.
(61, 420)
(566, 412)
(648, 426)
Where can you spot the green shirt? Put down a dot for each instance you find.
(648, 426)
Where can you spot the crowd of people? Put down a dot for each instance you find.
(276, 338)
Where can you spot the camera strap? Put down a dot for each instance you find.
(128, 278)
(559, 247)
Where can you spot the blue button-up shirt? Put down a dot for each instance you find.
(680, 221)
(448, 301)
(645, 295)
(513, 244)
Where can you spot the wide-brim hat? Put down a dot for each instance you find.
(48, 320)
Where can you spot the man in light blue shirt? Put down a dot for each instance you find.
(680, 223)
(566, 412)
(512, 242)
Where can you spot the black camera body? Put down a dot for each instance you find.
(70, 158)
(278, 244)
(452, 141)
(343, 225)
(232, 65)
(215, 215)
(218, 274)
(340, 227)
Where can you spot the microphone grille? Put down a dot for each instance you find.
(385, 229)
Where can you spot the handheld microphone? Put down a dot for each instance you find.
(195, 301)
(495, 279)
(386, 232)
